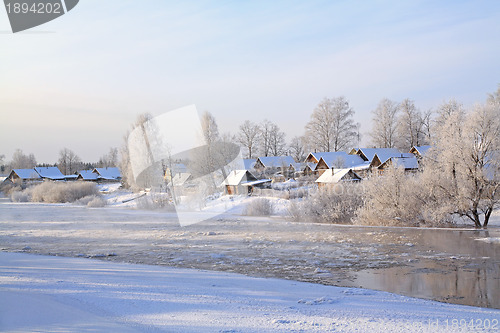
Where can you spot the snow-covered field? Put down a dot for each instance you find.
(54, 294)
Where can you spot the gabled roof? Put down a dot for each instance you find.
(406, 161)
(310, 165)
(248, 163)
(275, 161)
(336, 175)
(420, 150)
(108, 173)
(238, 177)
(52, 173)
(26, 174)
(314, 156)
(340, 159)
(383, 153)
(181, 178)
(87, 175)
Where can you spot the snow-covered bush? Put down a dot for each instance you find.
(20, 196)
(336, 204)
(93, 201)
(259, 207)
(55, 192)
(154, 201)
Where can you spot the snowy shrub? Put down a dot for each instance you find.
(93, 201)
(55, 192)
(97, 202)
(154, 201)
(20, 196)
(259, 207)
(337, 204)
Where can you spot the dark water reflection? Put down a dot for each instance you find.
(445, 265)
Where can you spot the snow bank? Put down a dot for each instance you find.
(39, 293)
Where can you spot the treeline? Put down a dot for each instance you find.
(68, 163)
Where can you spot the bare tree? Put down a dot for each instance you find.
(109, 160)
(22, 161)
(410, 125)
(265, 138)
(248, 137)
(277, 143)
(68, 162)
(297, 148)
(332, 127)
(384, 131)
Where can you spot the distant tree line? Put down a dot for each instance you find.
(69, 162)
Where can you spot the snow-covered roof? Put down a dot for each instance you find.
(70, 176)
(383, 153)
(406, 161)
(238, 177)
(336, 175)
(276, 161)
(26, 173)
(341, 159)
(180, 178)
(88, 175)
(111, 173)
(421, 150)
(52, 173)
(310, 165)
(248, 163)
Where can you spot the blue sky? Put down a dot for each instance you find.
(81, 80)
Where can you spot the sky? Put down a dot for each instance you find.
(81, 80)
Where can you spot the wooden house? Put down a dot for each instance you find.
(332, 177)
(87, 175)
(50, 173)
(24, 176)
(367, 154)
(272, 164)
(111, 174)
(406, 161)
(337, 160)
(241, 182)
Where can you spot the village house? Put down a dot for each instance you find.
(331, 177)
(273, 164)
(406, 161)
(23, 175)
(241, 182)
(50, 173)
(338, 160)
(111, 174)
(87, 175)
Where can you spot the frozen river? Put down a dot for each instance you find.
(458, 266)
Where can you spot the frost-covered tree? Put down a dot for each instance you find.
(271, 139)
(22, 161)
(125, 165)
(277, 141)
(209, 128)
(410, 125)
(109, 160)
(248, 137)
(494, 98)
(297, 148)
(384, 130)
(69, 162)
(465, 163)
(331, 127)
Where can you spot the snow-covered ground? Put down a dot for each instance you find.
(54, 294)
